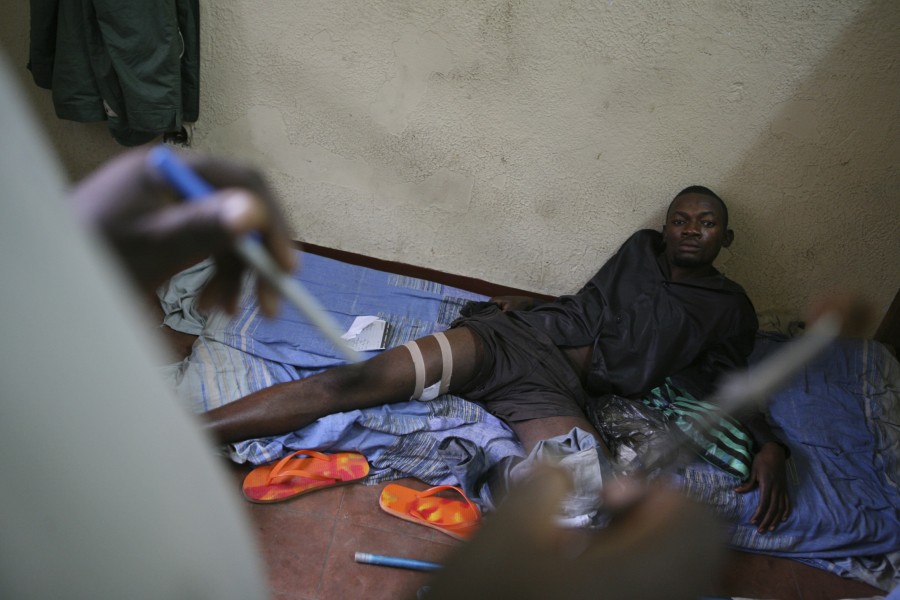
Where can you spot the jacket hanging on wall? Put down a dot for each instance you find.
(134, 64)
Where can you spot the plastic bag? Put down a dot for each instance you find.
(638, 435)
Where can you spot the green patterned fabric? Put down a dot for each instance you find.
(726, 444)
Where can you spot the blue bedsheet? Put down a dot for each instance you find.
(841, 417)
(235, 356)
(412, 308)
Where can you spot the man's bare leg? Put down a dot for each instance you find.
(384, 379)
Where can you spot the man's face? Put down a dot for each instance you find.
(695, 231)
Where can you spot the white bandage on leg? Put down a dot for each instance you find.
(446, 360)
(442, 386)
(419, 365)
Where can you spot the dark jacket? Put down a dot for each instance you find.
(134, 64)
(644, 328)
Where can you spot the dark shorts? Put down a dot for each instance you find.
(523, 375)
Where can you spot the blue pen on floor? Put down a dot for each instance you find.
(250, 248)
(395, 561)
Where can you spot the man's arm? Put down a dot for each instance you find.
(768, 470)
(769, 474)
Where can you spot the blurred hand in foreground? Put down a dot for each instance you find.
(155, 234)
(661, 545)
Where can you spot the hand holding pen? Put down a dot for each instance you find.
(249, 247)
(161, 213)
(155, 234)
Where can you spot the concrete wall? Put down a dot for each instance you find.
(522, 142)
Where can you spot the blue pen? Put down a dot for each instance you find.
(395, 561)
(250, 248)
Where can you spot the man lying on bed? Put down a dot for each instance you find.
(657, 314)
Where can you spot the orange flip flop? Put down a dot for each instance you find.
(456, 518)
(291, 477)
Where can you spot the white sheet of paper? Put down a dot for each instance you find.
(366, 333)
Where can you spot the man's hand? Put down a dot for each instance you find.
(156, 235)
(521, 553)
(768, 472)
(513, 302)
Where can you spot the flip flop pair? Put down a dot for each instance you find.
(291, 477)
(457, 518)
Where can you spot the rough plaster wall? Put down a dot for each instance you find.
(522, 142)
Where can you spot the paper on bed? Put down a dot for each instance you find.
(366, 333)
